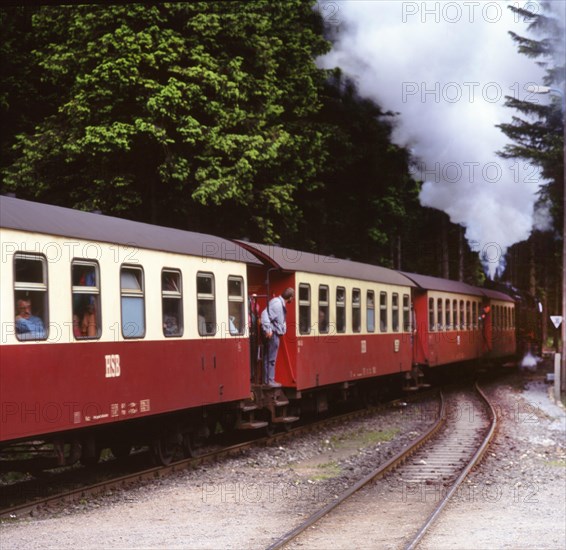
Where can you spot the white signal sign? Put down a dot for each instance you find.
(556, 320)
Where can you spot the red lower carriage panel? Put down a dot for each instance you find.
(52, 388)
(503, 343)
(333, 359)
(454, 346)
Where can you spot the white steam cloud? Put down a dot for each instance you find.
(446, 67)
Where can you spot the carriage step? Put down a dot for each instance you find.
(247, 407)
(285, 419)
(253, 425)
(279, 398)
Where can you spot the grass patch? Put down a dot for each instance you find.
(327, 470)
(380, 436)
(364, 438)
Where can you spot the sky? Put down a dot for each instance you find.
(446, 67)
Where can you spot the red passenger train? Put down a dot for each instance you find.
(118, 333)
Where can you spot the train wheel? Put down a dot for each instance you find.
(187, 444)
(169, 447)
(162, 451)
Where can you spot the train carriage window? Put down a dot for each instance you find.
(172, 302)
(370, 310)
(31, 297)
(304, 308)
(340, 309)
(454, 314)
(513, 317)
(440, 313)
(462, 313)
(323, 309)
(356, 310)
(406, 313)
(447, 317)
(133, 302)
(236, 313)
(86, 299)
(431, 317)
(468, 315)
(496, 317)
(395, 312)
(206, 304)
(383, 311)
(474, 315)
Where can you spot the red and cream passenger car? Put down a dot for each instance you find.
(137, 322)
(457, 322)
(448, 313)
(499, 324)
(349, 322)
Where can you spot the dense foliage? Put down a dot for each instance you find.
(211, 116)
(153, 111)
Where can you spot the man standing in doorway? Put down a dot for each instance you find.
(273, 325)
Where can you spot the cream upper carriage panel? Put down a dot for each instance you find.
(59, 241)
(373, 299)
(317, 271)
(450, 305)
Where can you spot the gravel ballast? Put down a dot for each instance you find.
(251, 500)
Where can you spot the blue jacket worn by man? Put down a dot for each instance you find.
(28, 326)
(274, 325)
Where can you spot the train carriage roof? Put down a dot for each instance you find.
(290, 260)
(65, 222)
(426, 282)
(497, 295)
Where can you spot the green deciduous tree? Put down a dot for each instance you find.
(167, 112)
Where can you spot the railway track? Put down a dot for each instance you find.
(413, 487)
(71, 486)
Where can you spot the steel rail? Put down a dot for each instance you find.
(471, 464)
(380, 471)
